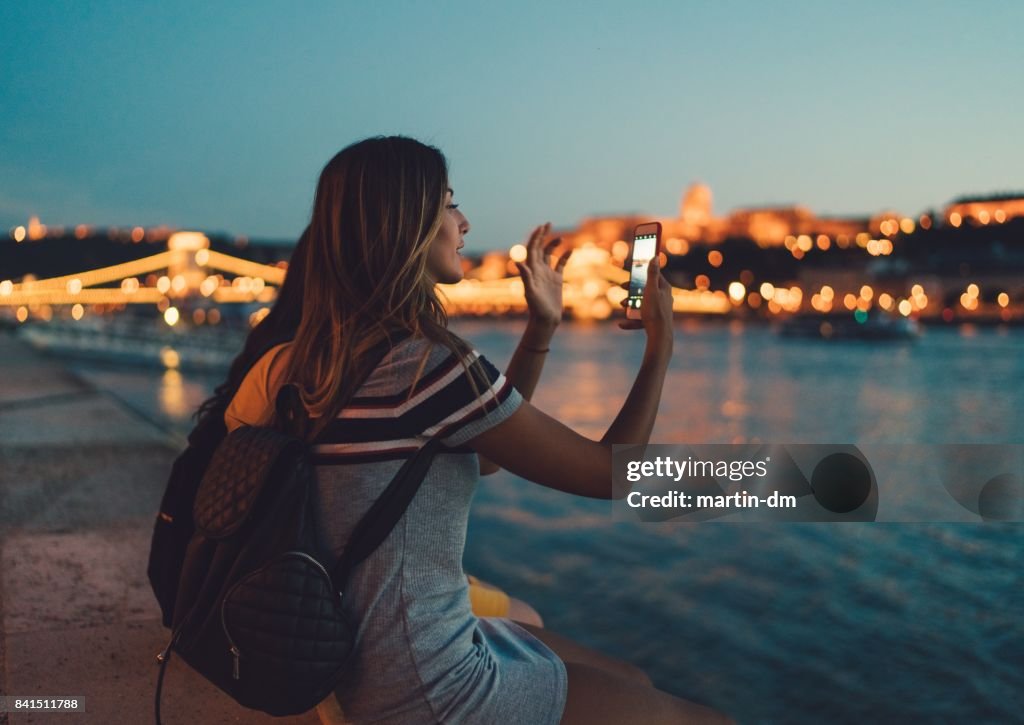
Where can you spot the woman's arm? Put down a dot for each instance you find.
(535, 446)
(524, 370)
(527, 361)
(542, 285)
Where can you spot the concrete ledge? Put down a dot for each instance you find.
(58, 581)
(79, 420)
(72, 487)
(28, 375)
(113, 666)
(81, 477)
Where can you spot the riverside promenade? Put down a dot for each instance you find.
(81, 476)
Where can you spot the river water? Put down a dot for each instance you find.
(822, 622)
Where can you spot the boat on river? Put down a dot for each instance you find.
(850, 326)
(129, 341)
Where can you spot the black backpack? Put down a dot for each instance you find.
(174, 526)
(258, 612)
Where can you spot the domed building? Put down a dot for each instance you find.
(695, 207)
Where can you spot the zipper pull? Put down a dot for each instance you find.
(234, 665)
(163, 656)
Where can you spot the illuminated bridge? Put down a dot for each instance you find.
(188, 268)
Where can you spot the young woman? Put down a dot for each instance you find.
(280, 326)
(384, 231)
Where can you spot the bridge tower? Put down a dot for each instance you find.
(185, 261)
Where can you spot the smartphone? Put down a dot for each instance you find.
(646, 246)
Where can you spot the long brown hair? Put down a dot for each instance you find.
(278, 326)
(378, 206)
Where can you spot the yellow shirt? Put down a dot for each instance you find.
(253, 404)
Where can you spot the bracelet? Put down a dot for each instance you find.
(535, 349)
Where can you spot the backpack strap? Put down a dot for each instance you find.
(290, 414)
(377, 523)
(292, 418)
(386, 511)
(163, 658)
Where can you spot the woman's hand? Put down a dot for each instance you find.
(542, 283)
(655, 310)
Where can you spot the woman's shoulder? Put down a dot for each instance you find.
(251, 402)
(419, 350)
(420, 364)
(424, 387)
(411, 358)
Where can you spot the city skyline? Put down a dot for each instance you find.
(694, 223)
(199, 117)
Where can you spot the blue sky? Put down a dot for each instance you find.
(219, 116)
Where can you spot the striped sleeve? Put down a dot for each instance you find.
(421, 390)
(464, 411)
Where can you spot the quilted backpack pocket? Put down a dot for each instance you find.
(285, 627)
(248, 461)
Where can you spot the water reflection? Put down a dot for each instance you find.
(589, 398)
(173, 402)
(732, 383)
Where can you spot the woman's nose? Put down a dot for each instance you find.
(464, 226)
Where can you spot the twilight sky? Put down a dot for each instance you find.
(219, 116)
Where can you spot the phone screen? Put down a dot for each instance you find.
(644, 249)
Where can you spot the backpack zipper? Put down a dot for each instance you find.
(236, 654)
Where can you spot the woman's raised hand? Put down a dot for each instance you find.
(656, 308)
(542, 282)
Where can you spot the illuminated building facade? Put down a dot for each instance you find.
(768, 226)
(995, 209)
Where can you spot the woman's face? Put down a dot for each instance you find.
(444, 263)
